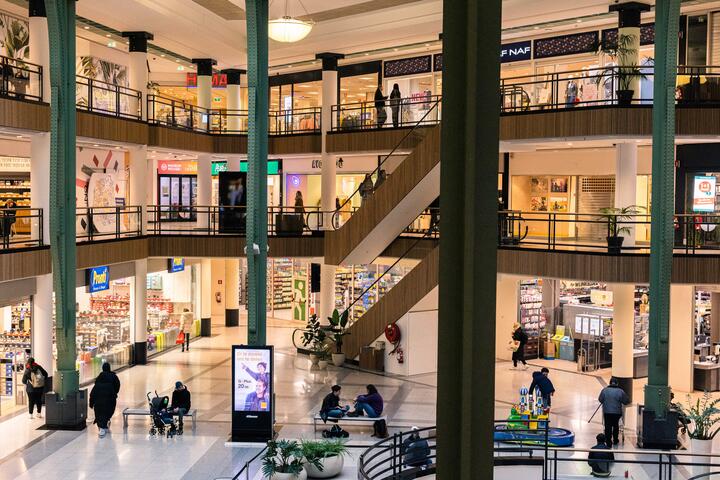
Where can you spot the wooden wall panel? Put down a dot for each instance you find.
(24, 115)
(178, 139)
(401, 245)
(394, 304)
(19, 263)
(230, 144)
(697, 121)
(368, 141)
(300, 143)
(425, 156)
(231, 246)
(106, 127)
(111, 251)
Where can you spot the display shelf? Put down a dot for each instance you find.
(532, 316)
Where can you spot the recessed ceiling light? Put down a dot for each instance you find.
(107, 35)
(569, 144)
(86, 27)
(112, 44)
(117, 148)
(536, 28)
(177, 60)
(427, 44)
(579, 20)
(366, 54)
(96, 145)
(181, 68)
(162, 55)
(18, 136)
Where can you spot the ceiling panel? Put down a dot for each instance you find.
(223, 9)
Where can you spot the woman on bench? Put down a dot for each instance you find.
(370, 404)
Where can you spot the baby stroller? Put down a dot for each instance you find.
(161, 419)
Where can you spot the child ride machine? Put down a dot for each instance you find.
(528, 424)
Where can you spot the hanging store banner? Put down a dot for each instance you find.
(98, 279)
(704, 193)
(176, 264)
(252, 393)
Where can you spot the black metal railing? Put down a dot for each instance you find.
(388, 458)
(298, 120)
(401, 112)
(246, 467)
(230, 220)
(604, 86)
(102, 97)
(386, 166)
(105, 223)
(175, 113)
(21, 79)
(21, 227)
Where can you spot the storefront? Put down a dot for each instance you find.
(274, 182)
(177, 189)
(15, 186)
(169, 292)
(15, 348)
(358, 82)
(288, 288)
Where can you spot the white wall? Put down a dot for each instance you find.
(680, 371)
(575, 161)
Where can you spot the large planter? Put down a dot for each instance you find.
(332, 467)
(314, 359)
(625, 97)
(615, 245)
(289, 476)
(322, 364)
(338, 359)
(700, 447)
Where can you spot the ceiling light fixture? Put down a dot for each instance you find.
(86, 27)
(287, 29)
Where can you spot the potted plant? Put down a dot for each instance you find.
(626, 76)
(314, 338)
(614, 218)
(625, 53)
(338, 329)
(324, 357)
(701, 422)
(323, 458)
(283, 461)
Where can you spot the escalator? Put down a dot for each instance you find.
(400, 191)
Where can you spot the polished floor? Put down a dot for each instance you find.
(27, 452)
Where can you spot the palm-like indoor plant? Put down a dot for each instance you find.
(701, 421)
(338, 329)
(625, 52)
(314, 338)
(283, 461)
(615, 217)
(323, 458)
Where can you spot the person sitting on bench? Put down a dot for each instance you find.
(331, 405)
(600, 461)
(370, 404)
(415, 450)
(180, 403)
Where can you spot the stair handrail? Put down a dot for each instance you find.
(430, 231)
(377, 170)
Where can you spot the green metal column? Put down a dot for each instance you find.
(61, 29)
(257, 74)
(468, 264)
(657, 392)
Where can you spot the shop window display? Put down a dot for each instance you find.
(167, 295)
(15, 346)
(356, 283)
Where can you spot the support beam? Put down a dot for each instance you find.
(468, 265)
(256, 226)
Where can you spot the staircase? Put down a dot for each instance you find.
(400, 299)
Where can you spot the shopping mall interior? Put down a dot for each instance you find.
(234, 205)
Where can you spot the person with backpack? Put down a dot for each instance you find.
(34, 380)
(613, 398)
(415, 450)
(103, 398)
(519, 340)
(547, 389)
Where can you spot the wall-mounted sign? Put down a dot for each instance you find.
(219, 80)
(408, 66)
(176, 264)
(98, 279)
(14, 164)
(515, 52)
(217, 167)
(585, 42)
(252, 393)
(704, 193)
(273, 167)
(177, 167)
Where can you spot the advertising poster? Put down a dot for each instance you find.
(299, 303)
(252, 379)
(704, 193)
(232, 196)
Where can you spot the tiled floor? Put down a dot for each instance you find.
(28, 453)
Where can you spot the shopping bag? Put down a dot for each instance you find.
(180, 339)
(513, 345)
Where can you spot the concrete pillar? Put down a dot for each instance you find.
(40, 184)
(233, 164)
(715, 317)
(629, 26)
(204, 189)
(682, 311)
(138, 184)
(236, 121)
(206, 299)
(204, 88)
(626, 160)
(623, 329)
(327, 292)
(42, 323)
(506, 313)
(138, 310)
(328, 171)
(232, 292)
(39, 48)
(138, 68)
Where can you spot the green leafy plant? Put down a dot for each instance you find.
(624, 49)
(282, 456)
(313, 451)
(314, 336)
(338, 328)
(616, 216)
(701, 419)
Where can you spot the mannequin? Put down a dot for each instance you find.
(571, 92)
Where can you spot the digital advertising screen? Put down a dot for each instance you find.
(704, 193)
(232, 197)
(252, 393)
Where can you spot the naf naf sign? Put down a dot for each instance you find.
(515, 52)
(98, 279)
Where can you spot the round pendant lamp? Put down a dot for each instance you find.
(288, 29)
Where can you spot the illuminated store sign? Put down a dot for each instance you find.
(98, 279)
(176, 264)
(515, 52)
(704, 193)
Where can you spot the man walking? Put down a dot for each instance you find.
(613, 398)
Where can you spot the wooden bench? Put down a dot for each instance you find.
(363, 419)
(143, 412)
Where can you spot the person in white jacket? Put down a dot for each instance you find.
(186, 324)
